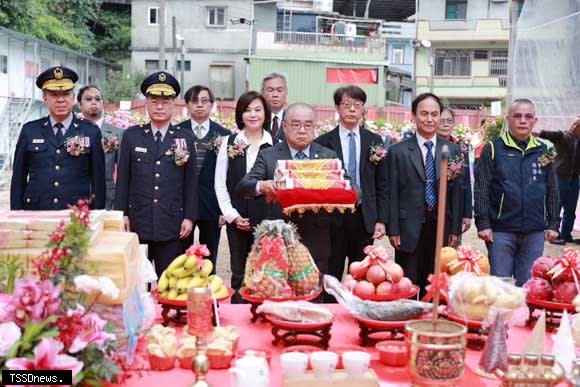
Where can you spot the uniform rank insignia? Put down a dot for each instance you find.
(38, 141)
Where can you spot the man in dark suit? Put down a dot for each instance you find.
(275, 90)
(58, 159)
(314, 229)
(414, 169)
(355, 146)
(157, 185)
(90, 99)
(207, 136)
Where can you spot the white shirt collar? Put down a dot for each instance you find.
(204, 125)
(266, 137)
(280, 116)
(421, 140)
(66, 122)
(100, 122)
(293, 151)
(344, 132)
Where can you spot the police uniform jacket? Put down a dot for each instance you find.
(152, 190)
(47, 177)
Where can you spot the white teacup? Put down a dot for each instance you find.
(356, 363)
(323, 363)
(293, 364)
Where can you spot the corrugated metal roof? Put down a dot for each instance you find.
(30, 38)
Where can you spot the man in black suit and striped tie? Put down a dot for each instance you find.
(414, 169)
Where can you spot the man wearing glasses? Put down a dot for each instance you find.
(516, 196)
(206, 137)
(356, 147)
(314, 229)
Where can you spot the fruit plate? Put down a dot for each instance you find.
(297, 325)
(245, 293)
(471, 324)
(183, 304)
(392, 297)
(550, 305)
(387, 325)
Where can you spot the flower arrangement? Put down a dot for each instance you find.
(215, 144)
(377, 153)
(493, 128)
(454, 167)
(46, 324)
(238, 149)
(179, 152)
(77, 145)
(110, 142)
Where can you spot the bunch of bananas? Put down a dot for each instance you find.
(183, 273)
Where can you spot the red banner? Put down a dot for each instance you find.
(353, 76)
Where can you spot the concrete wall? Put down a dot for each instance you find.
(204, 45)
(476, 9)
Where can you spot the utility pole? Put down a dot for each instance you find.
(161, 34)
(513, 19)
(367, 9)
(174, 48)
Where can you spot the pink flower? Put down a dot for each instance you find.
(33, 300)
(5, 300)
(9, 334)
(88, 330)
(47, 356)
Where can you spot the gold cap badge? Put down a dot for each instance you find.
(162, 77)
(58, 73)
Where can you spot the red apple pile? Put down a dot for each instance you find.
(552, 278)
(379, 279)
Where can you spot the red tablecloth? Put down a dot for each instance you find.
(344, 331)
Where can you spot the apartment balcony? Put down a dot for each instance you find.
(463, 30)
(476, 87)
(316, 46)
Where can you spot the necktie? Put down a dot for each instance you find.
(430, 194)
(158, 140)
(300, 156)
(352, 158)
(59, 133)
(275, 126)
(198, 132)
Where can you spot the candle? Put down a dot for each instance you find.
(199, 312)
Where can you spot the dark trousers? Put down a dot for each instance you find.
(209, 235)
(163, 253)
(418, 264)
(349, 238)
(315, 231)
(240, 245)
(568, 200)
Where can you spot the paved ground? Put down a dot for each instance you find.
(470, 238)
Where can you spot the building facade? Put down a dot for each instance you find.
(400, 55)
(216, 40)
(466, 63)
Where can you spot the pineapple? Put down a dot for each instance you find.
(303, 275)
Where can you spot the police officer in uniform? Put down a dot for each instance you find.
(59, 159)
(156, 184)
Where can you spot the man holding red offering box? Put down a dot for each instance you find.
(314, 229)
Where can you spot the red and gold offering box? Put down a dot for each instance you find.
(313, 185)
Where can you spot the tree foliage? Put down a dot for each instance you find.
(80, 25)
(122, 85)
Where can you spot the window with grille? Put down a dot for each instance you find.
(480, 54)
(456, 9)
(452, 63)
(398, 55)
(221, 80)
(187, 66)
(216, 17)
(153, 65)
(498, 66)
